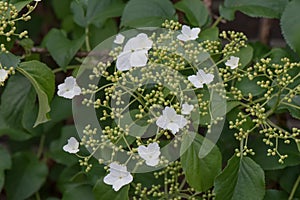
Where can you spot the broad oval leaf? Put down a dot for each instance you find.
(253, 8)
(9, 60)
(245, 54)
(200, 172)
(241, 179)
(83, 191)
(290, 26)
(61, 48)
(30, 174)
(43, 81)
(195, 11)
(4, 164)
(105, 192)
(145, 13)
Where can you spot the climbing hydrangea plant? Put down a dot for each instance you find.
(174, 110)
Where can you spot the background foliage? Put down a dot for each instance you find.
(35, 123)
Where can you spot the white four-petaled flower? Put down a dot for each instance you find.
(119, 39)
(201, 78)
(188, 34)
(150, 154)
(135, 53)
(186, 108)
(69, 88)
(171, 120)
(118, 176)
(233, 62)
(72, 146)
(3, 75)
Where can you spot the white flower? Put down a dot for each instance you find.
(171, 120)
(69, 88)
(37, 0)
(233, 62)
(3, 75)
(135, 52)
(72, 146)
(201, 78)
(186, 109)
(118, 176)
(119, 39)
(150, 153)
(188, 34)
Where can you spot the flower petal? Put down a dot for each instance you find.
(195, 81)
(186, 109)
(140, 42)
(119, 39)
(139, 58)
(194, 33)
(173, 127)
(123, 61)
(152, 162)
(182, 37)
(162, 122)
(186, 30)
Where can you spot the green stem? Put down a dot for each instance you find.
(87, 40)
(294, 188)
(41, 146)
(216, 22)
(67, 68)
(37, 196)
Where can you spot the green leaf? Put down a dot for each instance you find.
(5, 163)
(259, 50)
(195, 11)
(80, 192)
(292, 107)
(61, 48)
(20, 4)
(253, 8)
(288, 178)
(61, 8)
(245, 54)
(2, 179)
(241, 179)
(43, 81)
(271, 162)
(61, 109)
(275, 195)
(290, 26)
(88, 12)
(13, 101)
(227, 13)
(276, 54)
(56, 147)
(5, 159)
(105, 192)
(145, 13)
(200, 172)
(9, 60)
(250, 86)
(209, 34)
(29, 173)
(114, 9)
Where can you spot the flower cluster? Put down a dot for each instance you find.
(9, 17)
(155, 104)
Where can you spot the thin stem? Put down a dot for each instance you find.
(87, 40)
(217, 22)
(37, 196)
(296, 184)
(67, 68)
(41, 146)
